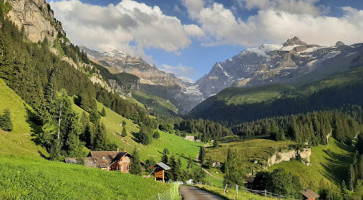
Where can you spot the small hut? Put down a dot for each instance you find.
(160, 169)
(309, 195)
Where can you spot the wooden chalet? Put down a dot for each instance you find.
(309, 195)
(109, 160)
(160, 169)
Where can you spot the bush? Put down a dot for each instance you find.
(5, 121)
(156, 134)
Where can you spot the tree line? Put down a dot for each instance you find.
(205, 130)
(313, 127)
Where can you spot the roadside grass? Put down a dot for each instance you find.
(35, 178)
(242, 193)
(329, 163)
(19, 140)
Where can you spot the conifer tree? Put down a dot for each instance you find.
(164, 157)
(202, 155)
(124, 133)
(135, 166)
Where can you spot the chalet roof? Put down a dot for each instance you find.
(161, 165)
(309, 194)
(102, 159)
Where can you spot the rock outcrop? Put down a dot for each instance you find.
(303, 154)
(37, 19)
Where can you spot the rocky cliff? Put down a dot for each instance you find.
(184, 96)
(303, 154)
(37, 19)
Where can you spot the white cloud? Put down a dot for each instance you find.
(291, 6)
(194, 31)
(180, 71)
(276, 21)
(194, 7)
(129, 26)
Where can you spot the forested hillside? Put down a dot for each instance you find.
(236, 105)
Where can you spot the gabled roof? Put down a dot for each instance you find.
(309, 194)
(102, 159)
(161, 165)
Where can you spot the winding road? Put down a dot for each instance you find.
(194, 193)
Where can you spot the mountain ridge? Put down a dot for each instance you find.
(272, 63)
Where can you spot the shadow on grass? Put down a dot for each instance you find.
(336, 168)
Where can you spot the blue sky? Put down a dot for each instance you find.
(187, 37)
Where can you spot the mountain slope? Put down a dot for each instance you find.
(19, 140)
(152, 80)
(274, 64)
(247, 104)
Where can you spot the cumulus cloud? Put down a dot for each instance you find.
(291, 6)
(128, 26)
(276, 21)
(181, 71)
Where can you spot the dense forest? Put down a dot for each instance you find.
(205, 130)
(313, 127)
(313, 97)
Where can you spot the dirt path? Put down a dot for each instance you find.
(194, 193)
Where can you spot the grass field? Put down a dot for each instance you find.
(248, 151)
(36, 178)
(328, 162)
(18, 141)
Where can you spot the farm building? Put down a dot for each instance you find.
(160, 169)
(309, 195)
(217, 163)
(109, 160)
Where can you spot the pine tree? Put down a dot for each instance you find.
(233, 173)
(5, 121)
(135, 166)
(351, 177)
(103, 112)
(124, 133)
(202, 155)
(164, 157)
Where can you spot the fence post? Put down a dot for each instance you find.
(225, 189)
(265, 194)
(237, 190)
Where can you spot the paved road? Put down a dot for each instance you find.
(194, 193)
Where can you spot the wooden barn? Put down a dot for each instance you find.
(159, 170)
(109, 160)
(309, 195)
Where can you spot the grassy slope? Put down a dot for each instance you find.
(17, 141)
(250, 150)
(158, 104)
(175, 144)
(252, 95)
(328, 162)
(35, 178)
